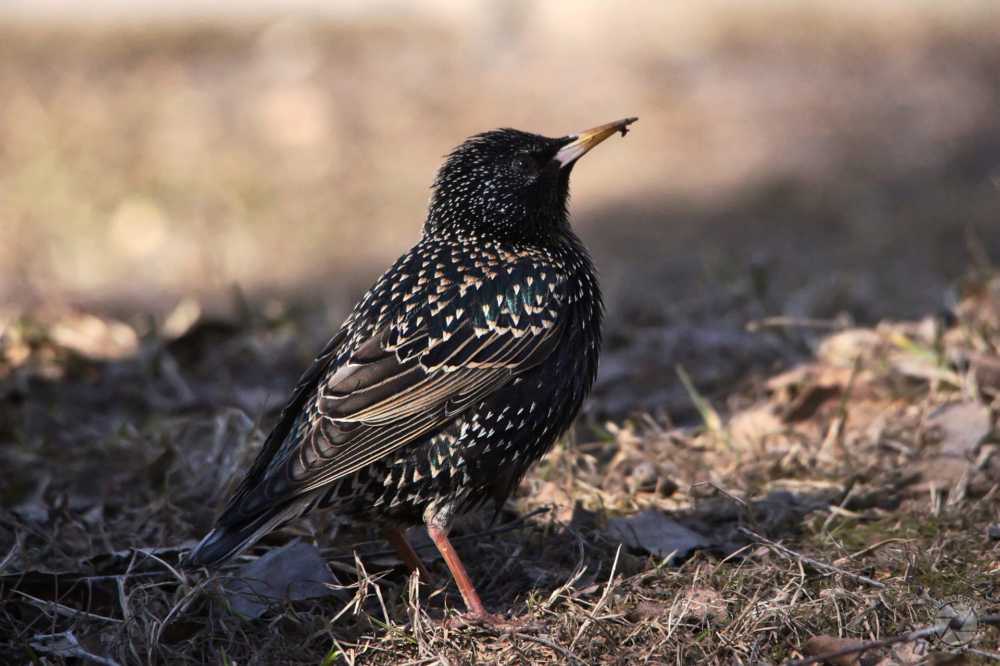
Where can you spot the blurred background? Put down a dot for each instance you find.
(818, 157)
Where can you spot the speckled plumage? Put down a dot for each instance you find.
(455, 372)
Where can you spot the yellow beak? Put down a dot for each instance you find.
(583, 142)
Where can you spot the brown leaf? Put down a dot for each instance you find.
(655, 533)
(95, 338)
(961, 426)
(291, 573)
(941, 472)
(907, 654)
(703, 604)
(751, 428)
(556, 496)
(801, 392)
(820, 645)
(845, 347)
(649, 610)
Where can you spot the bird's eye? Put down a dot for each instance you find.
(523, 165)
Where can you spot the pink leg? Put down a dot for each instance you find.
(395, 536)
(469, 595)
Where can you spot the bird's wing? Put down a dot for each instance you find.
(438, 356)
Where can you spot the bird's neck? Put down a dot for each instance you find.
(544, 230)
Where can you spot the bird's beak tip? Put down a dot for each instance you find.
(586, 140)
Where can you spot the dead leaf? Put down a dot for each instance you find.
(65, 644)
(942, 473)
(751, 427)
(907, 654)
(820, 645)
(961, 426)
(844, 348)
(557, 497)
(802, 391)
(703, 604)
(654, 533)
(648, 610)
(293, 572)
(95, 338)
(181, 319)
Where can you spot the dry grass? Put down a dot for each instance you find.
(875, 461)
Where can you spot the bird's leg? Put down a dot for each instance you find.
(395, 536)
(473, 603)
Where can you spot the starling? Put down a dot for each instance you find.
(455, 372)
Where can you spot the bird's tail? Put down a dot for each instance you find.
(229, 540)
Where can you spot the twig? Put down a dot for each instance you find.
(795, 322)
(876, 546)
(65, 644)
(722, 491)
(788, 552)
(177, 609)
(910, 636)
(9, 556)
(65, 611)
(552, 646)
(578, 571)
(600, 602)
(151, 555)
(995, 656)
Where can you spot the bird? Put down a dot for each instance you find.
(460, 367)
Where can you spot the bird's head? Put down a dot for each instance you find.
(509, 185)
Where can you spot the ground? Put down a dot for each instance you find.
(793, 444)
(874, 459)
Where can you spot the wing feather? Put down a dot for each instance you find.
(408, 379)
